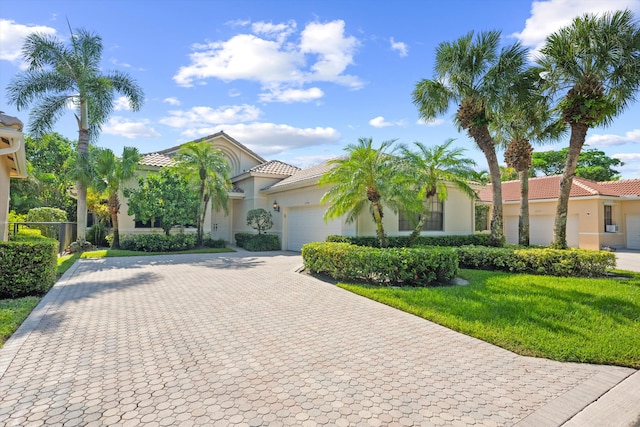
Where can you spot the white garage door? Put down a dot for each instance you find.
(633, 231)
(541, 230)
(305, 224)
(511, 229)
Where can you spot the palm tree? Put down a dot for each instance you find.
(431, 169)
(472, 73)
(59, 77)
(592, 67)
(366, 177)
(525, 117)
(209, 170)
(110, 174)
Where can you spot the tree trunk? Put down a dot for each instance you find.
(83, 154)
(485, 143)
(523, 220)
(576, 141)
(377, 216)
(114, 207)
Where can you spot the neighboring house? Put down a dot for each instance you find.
(293, 197)
(13, 164)
(600, 213)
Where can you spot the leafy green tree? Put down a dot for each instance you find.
(59, 76)
(49, 178)
(366, 177)
(592, 69)
(259, 219)
(207, 168)
(474, 74)
(166, 196)
(592, 164)
(430, 169)
(110, 173)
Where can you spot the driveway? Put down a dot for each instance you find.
(628, 259)
(242, 339)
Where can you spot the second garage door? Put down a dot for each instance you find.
(633, 231)
(541, 230)
(305, 224)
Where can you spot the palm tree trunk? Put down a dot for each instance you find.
(114, 207)
(83, 153)
(377, 216)
(418, 228)
(576, 141)
(485, 143)
(523, 220)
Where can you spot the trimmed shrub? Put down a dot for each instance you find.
(262, 242)
(27, 265)
(420, 266)
(209, 242)
(242, 238)
(554, 262)
(403, 241)
(158, 242)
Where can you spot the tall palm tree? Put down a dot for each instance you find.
(474, 74)
(209, 170)
(431, 169)
(592, 67)
(366, 177)
(110, 174)
(59, 77)
(525, 117)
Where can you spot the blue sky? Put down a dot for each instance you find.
(293, 80)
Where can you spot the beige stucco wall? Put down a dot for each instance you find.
(4, 197)
(590, 212)
(458, 218)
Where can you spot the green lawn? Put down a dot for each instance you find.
(12, 314)
(566, 319)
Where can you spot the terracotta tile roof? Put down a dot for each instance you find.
(275, 167)
(309, 174)
(624, 187)
(236, 189)
(155, 159)
(548, 187)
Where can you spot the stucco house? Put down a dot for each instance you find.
(600, 213)
(13, 164)
(293, 197)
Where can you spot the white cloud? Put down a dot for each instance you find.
(401, 47)
(121, 103)
(632, 136)
(207, 116)
(269, 139)
(549, 16)
(126, 128)
(292, 95)
(12, 37)
(172, 100)
(268, 56)
(627, 157)
(379, 122)
(311, 160)
(431, 122)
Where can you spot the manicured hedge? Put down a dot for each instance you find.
(27, 265)
(402, 241)
(158, 242)
(258, 242)
(554, 262)
(421, 266)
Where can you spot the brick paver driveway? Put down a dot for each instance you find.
(242, 339)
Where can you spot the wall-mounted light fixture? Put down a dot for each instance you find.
(276, 206)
